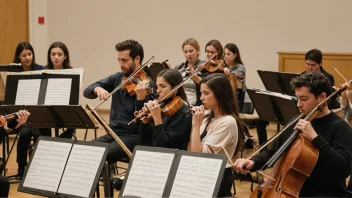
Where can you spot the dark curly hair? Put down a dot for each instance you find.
(135, 48)
(316, 82)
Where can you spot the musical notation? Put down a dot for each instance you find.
(47, 165)
(148, 174)
(28, 92)
(81, 170)
(58, 91)
(195, 177)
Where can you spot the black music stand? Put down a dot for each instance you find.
(154, 69)
(11, 68)
(273, 108)
(278, 81)
(53, 116)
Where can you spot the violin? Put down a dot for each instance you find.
(294, 160)
(220, 65)
(4, 119)
(166, 110)
(178, 100)
(131, 84)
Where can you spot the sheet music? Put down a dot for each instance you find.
(81, 170)
(58, 91)
(148, 174)
(196, 177)
(47, 165)
(28, 92)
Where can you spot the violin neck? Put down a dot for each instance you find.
(10, 116)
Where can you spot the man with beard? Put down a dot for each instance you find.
(130, 56)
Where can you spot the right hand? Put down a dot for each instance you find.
(243, 165)
(101, 93)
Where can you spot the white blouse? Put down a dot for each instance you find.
(222, 133)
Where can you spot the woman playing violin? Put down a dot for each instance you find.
(328, 133)
(172, 131)
(235, 65)
(191, 51)
(219, 128)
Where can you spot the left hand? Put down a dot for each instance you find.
(141, 89)
(307, 129)
(198, 115)
(154, 108)
(22, 117)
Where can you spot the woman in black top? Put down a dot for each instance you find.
(169, 132)
(59, 58)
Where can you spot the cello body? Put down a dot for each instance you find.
(291, 171)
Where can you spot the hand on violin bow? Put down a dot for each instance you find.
(307, 129)
(155, 110)
(141, 89)
(101, 93)
(22, 117)
(243, 165)
(348, 92)
(198, 115)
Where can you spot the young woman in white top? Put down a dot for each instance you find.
(218, 128)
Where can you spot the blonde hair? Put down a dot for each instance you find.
(192, 42)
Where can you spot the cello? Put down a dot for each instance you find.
(293, 162)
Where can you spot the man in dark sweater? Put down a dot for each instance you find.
(130, 56)
(327, 132)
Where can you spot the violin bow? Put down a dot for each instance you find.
(176, 87)
(148, 63)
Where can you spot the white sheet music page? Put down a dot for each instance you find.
(148, 174)
(81, 168)
(47, 165)
(28, 92)
(196, 177)
(58, 91)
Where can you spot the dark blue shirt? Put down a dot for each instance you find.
(123, 105)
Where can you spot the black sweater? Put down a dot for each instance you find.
(334, 142)
(173, 133)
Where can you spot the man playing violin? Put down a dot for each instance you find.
(123, 104)
(328, 133)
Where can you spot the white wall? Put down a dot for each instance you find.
(91, 28)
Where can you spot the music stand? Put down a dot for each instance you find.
(11, 68)
(263, 105)
(154, 69)
(277, 81)
(286, 78)
(54, 116)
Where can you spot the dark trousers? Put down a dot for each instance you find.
(226, 183)
(68, 133)
(115, 151)
(4, 186)
(261, 131)
(24, 139)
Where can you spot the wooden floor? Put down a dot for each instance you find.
(242, 188)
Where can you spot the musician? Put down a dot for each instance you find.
(346, 102)
(219, 127)
(173, 131)
(211, 48)
(22, 117)
(327, 132)
(314, 62)
(25, 55)
(59, 58)
(191, 51)
(130, 55)
(235, 64)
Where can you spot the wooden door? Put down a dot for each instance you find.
(14, 28)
